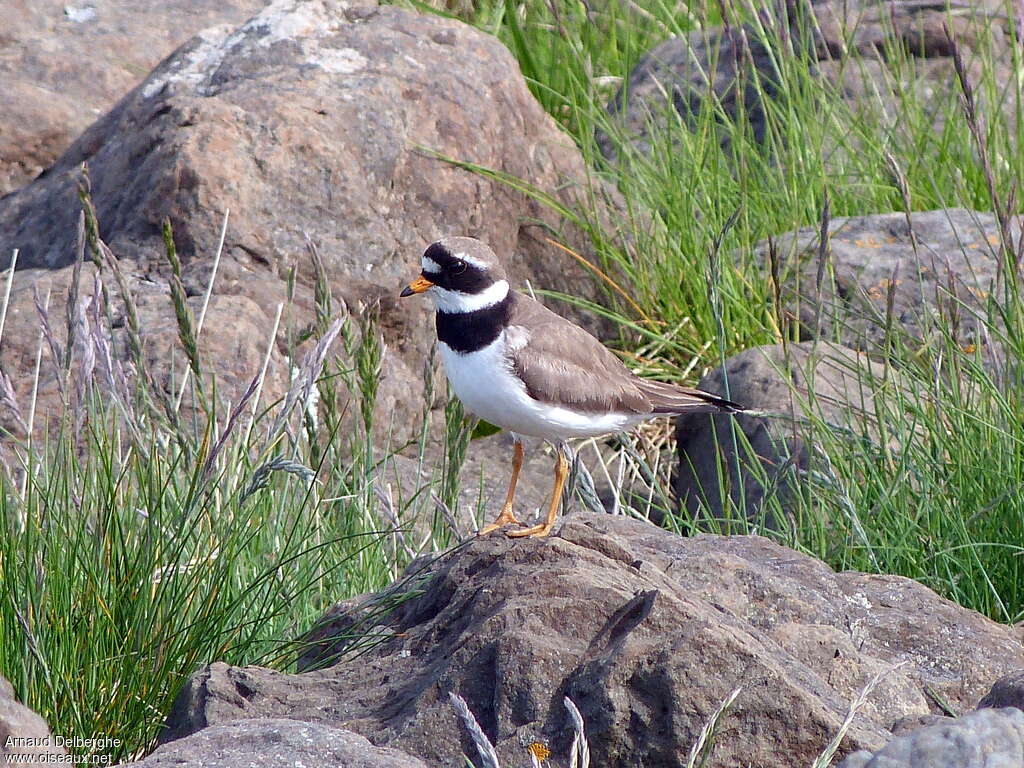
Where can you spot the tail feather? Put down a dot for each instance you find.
(669, 398)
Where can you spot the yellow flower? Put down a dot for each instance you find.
(539, 751)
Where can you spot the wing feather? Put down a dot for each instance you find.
(561, 363)
(670, 398)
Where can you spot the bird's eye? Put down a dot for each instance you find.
(458, 267)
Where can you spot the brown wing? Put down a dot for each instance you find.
(560, 362)
(669, 398)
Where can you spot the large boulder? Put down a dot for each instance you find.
(318, 119)
(677, 75)
(269, 741)
(645, 631)
(63, 64)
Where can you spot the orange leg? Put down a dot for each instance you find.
(543, 529)
(505, 517)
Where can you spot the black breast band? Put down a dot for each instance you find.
(467, 332)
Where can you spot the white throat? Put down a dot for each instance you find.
(454, 301)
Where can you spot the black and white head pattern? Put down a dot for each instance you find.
(470, 292)
(466, 274)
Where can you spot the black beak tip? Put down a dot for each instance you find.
(407, 291)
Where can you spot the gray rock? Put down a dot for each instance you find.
(988, 738)
(316, 118)
(679, 73)
(1007, 691)
(23, 733)
(918, 28)
(729, 62)
(940, 267)
(647, 632)
(791, 384)
(275, 741)
(63, 64)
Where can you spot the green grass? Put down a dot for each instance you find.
(179, 539)
(139, 541)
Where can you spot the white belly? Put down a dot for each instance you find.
(484, 382)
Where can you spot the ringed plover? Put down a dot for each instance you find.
(515, 363)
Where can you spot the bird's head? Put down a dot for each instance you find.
(461, 274)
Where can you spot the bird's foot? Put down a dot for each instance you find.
(534, 531)
(505, 517)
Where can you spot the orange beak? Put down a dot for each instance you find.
(419, 285)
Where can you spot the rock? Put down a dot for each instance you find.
(317, 118)
(918, 28)
(63, 64)
(955, 253)
(1008, 691)
(740, 66)
(988, 738)
(791, 383)
(647, 633)
(24, 735)
(912, 723)
(275, 741)
(687, 68)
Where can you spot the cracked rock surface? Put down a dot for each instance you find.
(645, 631)
(936, 268)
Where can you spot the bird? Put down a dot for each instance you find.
(522, 367)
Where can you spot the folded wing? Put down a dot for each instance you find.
(561, 363)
